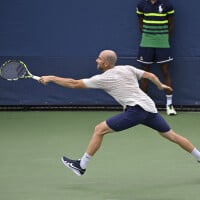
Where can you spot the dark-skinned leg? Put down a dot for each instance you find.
(144, 83)
(166, 76)
(167, 80)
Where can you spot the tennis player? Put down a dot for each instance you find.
(121, 82)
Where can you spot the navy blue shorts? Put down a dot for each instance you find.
(134, 115)
(149, 55)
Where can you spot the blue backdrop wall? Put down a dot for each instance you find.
(64, 37)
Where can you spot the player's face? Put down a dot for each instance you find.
(153, 1)
(100, 62)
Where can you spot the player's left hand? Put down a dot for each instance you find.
(165, 87)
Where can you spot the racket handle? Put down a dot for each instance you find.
(36, 78)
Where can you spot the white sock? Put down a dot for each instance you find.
(169, 99)
(84, 160)
(196, 154)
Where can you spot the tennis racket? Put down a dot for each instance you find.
(13, 70)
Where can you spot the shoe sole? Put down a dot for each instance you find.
(68, 166)
(171, 114)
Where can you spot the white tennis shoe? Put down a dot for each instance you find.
(170, 110)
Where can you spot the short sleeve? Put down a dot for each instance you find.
(139, 8)
(138, 72)
(93, 82)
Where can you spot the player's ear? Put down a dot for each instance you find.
(106, 63)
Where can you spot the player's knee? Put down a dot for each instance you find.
(100, 129)
(174, 137)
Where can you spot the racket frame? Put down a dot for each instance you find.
(24, 76)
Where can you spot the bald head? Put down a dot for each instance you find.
(110, 56)
(106, 60)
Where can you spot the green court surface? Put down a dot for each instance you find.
(136, 164)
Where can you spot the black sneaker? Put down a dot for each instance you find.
(74, 165)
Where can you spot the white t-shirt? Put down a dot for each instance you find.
(121, 82)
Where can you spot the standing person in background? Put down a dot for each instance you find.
(156, 25)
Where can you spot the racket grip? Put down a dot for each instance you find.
(36, 78)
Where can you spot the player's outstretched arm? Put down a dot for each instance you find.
(65, 82)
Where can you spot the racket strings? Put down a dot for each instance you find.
(20, 70)
(13, 70)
